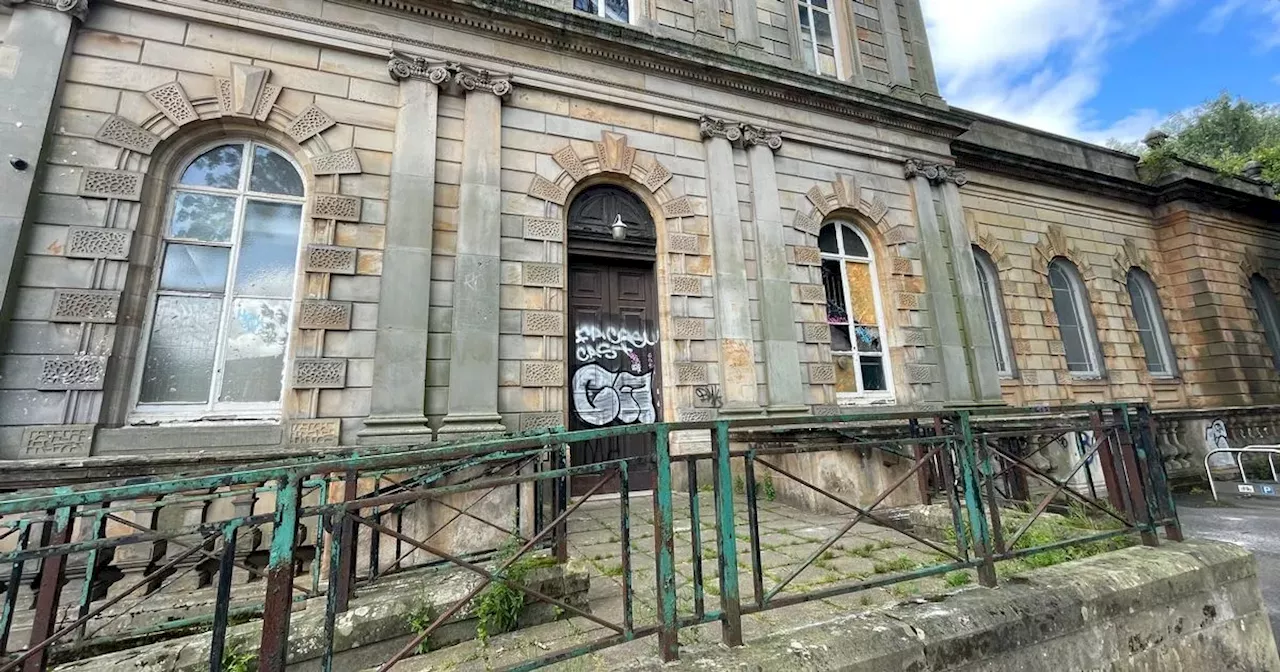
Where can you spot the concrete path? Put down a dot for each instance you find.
(1251, 523)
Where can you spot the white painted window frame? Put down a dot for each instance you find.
(830, 11)
(633, 14)
(147, 413)
(997, 323)
(862, 396)
(1080, 302)
(1150, 301)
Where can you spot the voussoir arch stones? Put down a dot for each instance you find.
(613, 155)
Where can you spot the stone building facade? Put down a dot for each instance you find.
(259, 225)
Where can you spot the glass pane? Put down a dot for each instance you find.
(873, 374)
(617, 10)
(194, 268)
(826, 48)
(180, 353)
(203, 217)
(840, 338)
(868, 339)
(827, 239)
(1265, 301)
(986, 284)
(268, 249)
(832, 284)
(861, 293)
(588, 6)
(273, 174)
(253, 366)
(853, 245)
(1070, 321)
(846, 380)
(218, 167)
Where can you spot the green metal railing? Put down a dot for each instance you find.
(305, 519)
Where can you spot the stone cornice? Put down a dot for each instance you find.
(937, 173)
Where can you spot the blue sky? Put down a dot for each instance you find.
(1099, 69)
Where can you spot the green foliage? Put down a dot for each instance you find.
(498, 606)
(420, 619)
(739, 485)
(235, 659)
(957, 579)
(899, 564)
(766, 488)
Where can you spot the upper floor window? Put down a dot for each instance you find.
(219, 317)
(854, 314)
(817, 37)
(1152, 330)
(1080, 342)
(1268, 314)
(993, 303)
(616, 10)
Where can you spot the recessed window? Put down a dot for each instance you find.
(993, 304)
(1264, 299)
(817, 37)
(1152, 330)
(858, 347)
(1080, 342)
(614, 10)
(219, 319)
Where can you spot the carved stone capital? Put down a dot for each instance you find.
(76, 8)
(476, 79)
(711, 127)
(404, 66)
(936, 173)
(759, 135)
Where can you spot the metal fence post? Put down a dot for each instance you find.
(52, 568)
(1132, 454)
(278, 602)
(1161, 491)
(730, 603)
(664, 542)
(981, 534)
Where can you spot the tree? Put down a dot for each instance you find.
(1226, 134)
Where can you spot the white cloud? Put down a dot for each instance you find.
(1038, 62)
(1264, 14)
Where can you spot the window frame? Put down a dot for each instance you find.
(632, 12)
(177, 412)
(1268, 314)
(997, 319)
(862, 396)
(836, 52)
(1084, 316)
(1150, 300)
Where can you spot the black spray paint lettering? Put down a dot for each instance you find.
(601, 396)
(595, 344)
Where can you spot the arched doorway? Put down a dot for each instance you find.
(613, 318)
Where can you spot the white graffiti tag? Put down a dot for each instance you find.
(594, 343)
(601, 396)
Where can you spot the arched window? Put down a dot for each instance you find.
(219, 317)
(1079, 340)
(1268, 314)
(993, 303)
(858, 346)
(1152, 330)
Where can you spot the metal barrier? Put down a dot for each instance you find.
(340, 524)
(1246, 488)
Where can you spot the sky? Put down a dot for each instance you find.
(1102, 69)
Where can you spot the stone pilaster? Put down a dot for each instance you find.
(31, 60)
(777, 313)
(400, 354)
(746, 22)
(943, 308)
(894, 47)
(737, 347)
(473, 363)
(982, 353)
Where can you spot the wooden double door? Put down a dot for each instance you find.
(614, 363)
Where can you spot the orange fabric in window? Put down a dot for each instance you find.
(861, 293)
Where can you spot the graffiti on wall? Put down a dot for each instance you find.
(613, 380)
(1215, 435)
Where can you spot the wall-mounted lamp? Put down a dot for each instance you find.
(619, 228)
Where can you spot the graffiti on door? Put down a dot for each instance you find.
(613, 381)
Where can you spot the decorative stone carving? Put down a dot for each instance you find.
(806, 224)
(685, 243)
(172, 101)
(266, 101)
(542, 323)
(614, 154)
(822, 374)
(331, 259)
(85, 305)
(309, 123)
(73, 372)
(404, 66)
(568, 159)
(807, 256)
(530, 422)
(936, 173)
(88, 242)
(696, 414)
(1130, 256)
(759, 135)
(819, 200)
(711, 127)
(817, 332)
(247, 84)
(57, 441)
(909, 301)
(542, 374)
(476, 79)
(319, 373)
(547, 190)
(78, 9)
(326, 432)
(121, 132)
(688, 285)
(543, 275)
(847, 192)
(333, 206)
(342, 162)
(813, 294)
(678, 207)
(879, 209)
(922, 373)
(689, 373)
(222, 90)
(657, 176)
(541, 228)
(125, 185)
(914, 336)
(318, 314)
(689, 327)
